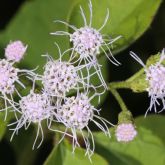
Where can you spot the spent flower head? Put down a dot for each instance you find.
(15, 51)
(155, 76)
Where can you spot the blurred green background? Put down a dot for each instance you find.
(142, 25)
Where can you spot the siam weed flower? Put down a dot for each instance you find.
(155, 76)
(62, 76)
(125, 132)
(59, 77)
(15, 51)
(34, 108)
(75, 114)
(88, 41)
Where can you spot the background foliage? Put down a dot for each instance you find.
(32, 20)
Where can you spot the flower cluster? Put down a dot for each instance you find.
(67, 90)
(52, 102)
(76, 113)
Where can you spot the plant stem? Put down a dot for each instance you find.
(119, 99)
(120, 84)
(125, 85)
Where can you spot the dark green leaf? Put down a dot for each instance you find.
(22, 146)
(4, 123)
(155, 123)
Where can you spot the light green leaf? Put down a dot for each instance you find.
(147, 148)
(62, 155)
(129, 18)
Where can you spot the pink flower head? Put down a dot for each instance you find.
(125, 132)
(155, 76)
(75, 114)
(88, 42)
(59, 77)
(34, 108)
(15, 51)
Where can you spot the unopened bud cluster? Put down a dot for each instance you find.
(125, 132)
(15, 51)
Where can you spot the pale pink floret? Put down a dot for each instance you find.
(155, 75)
(9, 77)
(59, 77)
(35, 107)
(15, 51)
(87, 41)
(76, 112)
(125, 132)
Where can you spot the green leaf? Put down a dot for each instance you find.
(147, 148)
(115, 157)
(62, 155)
(129, 18)
(22, 146)
(154, 123)
(3, 124)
